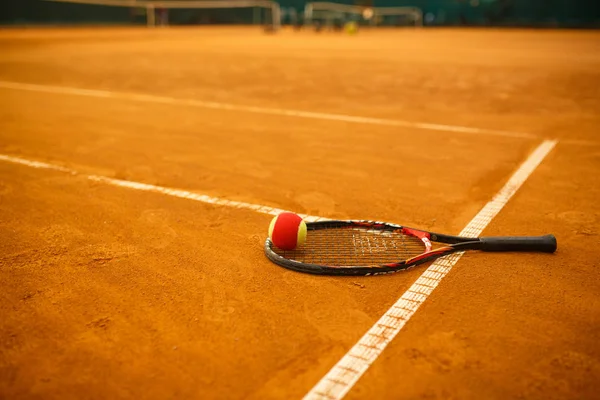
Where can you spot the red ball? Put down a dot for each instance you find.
(287, 231)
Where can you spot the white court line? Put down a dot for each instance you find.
(184, 194)
(258, 110)
(344, 375)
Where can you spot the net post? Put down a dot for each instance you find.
(419, 18)
(256, 15)
(150, 16)
(308, 13)
(276, 16)
(293, 16)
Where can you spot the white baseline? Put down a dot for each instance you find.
(257, 110)
(342, 377)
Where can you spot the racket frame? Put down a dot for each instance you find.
(454, 244)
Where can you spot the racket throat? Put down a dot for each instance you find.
(423, 236)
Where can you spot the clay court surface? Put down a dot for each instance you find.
(110, 292)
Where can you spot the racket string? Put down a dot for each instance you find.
(351, 246)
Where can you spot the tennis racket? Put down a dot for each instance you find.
(373, 248)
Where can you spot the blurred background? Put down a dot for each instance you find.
(508, 13)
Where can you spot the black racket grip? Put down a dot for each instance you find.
(546, 243)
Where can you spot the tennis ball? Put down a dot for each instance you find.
(287, 231)
(351, 28)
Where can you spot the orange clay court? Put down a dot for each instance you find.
(111, 292)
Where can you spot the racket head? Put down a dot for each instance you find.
(335, 247)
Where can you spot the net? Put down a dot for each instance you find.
(197, 11)
(334, 14)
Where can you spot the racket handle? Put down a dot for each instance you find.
(546, 243)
